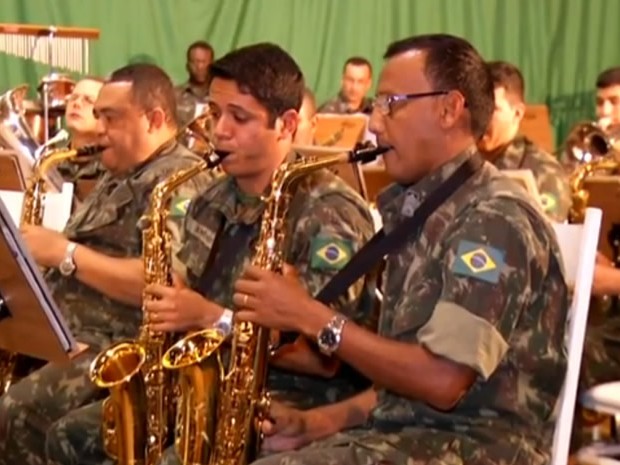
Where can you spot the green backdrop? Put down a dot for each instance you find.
(560, 45)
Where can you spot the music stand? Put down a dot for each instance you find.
(11, 171)
(348, 172)
(604, 193)
(344, 131)
(30, 322)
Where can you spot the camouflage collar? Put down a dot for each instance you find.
(399, 200)
(236, 205)
(512, 154)
(163, 150)
(224, 196)
(191, 89)
(365, 106)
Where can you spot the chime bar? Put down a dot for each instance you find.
(60, 47)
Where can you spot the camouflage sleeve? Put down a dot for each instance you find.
(486, 284)
(326, 235)
(179, 206)
(553, 187)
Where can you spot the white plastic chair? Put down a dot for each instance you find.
(578, 245)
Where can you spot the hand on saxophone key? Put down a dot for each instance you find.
(46, 246)
(178, 308)
(270, 299)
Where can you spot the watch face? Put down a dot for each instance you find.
(328, 338)
(66, 268)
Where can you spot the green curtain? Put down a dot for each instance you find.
(560, 45)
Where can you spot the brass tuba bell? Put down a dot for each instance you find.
(15, 133)
(196, 135)
(588, 141)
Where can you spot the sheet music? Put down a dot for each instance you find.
(36, 281)
(57, 206)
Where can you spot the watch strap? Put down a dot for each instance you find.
(225, 321)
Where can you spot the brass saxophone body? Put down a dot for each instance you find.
(32, 214)
(138, 414)
(580, 195)
(221, 408)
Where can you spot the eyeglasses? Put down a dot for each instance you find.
(383, 103)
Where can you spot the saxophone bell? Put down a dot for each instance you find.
(115, 369)
(197, 361)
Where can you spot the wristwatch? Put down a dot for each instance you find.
(330, 336)
(67, 265)
(225, 321)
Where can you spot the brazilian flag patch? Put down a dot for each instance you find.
(329, 253)
(179, 206)
(478, 261)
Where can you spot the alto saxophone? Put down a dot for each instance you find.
(138, 413)
(220, 410)
(580, 195)
(32, 214)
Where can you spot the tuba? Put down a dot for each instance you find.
(137, 415)
(594, 150)
(221, 408)
(32, 213)
(588, 141)
(15, 133)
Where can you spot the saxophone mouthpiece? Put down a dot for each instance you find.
(366, 152)
(216, 157)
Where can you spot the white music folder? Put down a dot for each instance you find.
(57, 206)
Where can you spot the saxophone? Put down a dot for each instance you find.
(138, 413)
(220, 409)
(32, 214)
(580, 195)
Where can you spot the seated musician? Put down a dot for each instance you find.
(601, 358)
(307, 120)
(255, 110)
(503, 146)
(608, 97)
(469, 362)
(355, 83)
(82, 127)
(95, 270)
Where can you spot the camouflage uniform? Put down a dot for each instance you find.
(73, 172)
(324, 214)
(187, 98)
(339, 105)
(550, 177)
(482, 286)
(107, 223)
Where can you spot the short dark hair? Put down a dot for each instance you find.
(508, 76)
(200, 44)
(151, 87)
(609, 77)
(309, 96)
(452, 63)
(357, 61)
(267, 73)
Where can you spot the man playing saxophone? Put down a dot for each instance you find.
(469, 363)
(95, 270)
(503, 146)
(255, 94)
